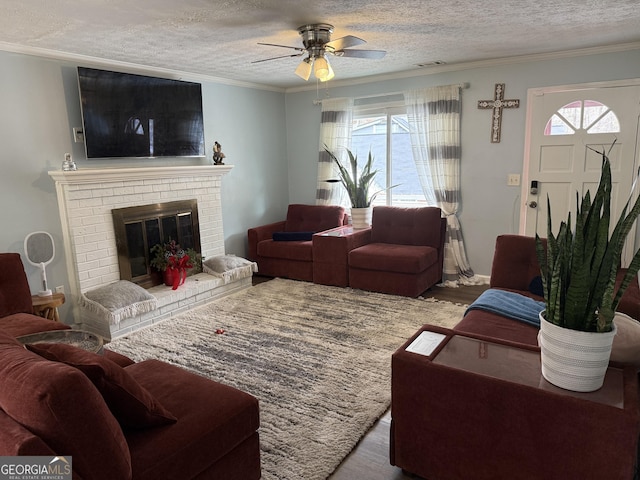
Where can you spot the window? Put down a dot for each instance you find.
(588, 115)
(384, 131)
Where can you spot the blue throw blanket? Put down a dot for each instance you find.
(509, 304)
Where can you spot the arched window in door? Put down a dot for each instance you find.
(587, 115)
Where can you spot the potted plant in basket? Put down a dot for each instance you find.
(175, 262)
(357, 186)
(578, 271)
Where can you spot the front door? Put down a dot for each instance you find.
(566, 130)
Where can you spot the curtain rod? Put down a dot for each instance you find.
(389, 94)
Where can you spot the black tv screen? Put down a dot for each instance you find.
(127, 115)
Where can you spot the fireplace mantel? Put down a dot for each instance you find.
(93, 175)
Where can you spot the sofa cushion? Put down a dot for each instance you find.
(406, 226)
(20, 324)
(213, 419)
(15, 295)
(626, 343)
(60, 405)
(16, 440)
(132, 405)
(300, 251)
(515, 263)
(387, 257)
(313, 218)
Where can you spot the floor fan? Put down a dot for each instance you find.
(40, 250)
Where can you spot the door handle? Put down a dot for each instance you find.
(533, 204)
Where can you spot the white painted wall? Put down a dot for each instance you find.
(489, 207)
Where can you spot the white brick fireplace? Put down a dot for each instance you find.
(85, 200)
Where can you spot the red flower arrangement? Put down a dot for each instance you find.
(171, 259)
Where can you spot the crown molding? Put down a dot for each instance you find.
(129, 67)
(494, 62)
(418, 72)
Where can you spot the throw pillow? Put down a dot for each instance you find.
(131, 404)
(60, 405)
(118, 300)
(626, 343)
(229, 267)
(535, 286)
(292, 236)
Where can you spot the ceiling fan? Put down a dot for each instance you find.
(317, 42)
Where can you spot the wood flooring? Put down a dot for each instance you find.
(370, 459)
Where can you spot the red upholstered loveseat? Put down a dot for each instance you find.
(116, 419)
(290, 254)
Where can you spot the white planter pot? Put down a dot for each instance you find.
(361, 217)
(574, 360)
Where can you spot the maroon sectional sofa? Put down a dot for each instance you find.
(448, 423)
(285, 249)
(515, 268)
(116, 419)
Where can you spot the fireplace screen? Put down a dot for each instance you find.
(138, 229)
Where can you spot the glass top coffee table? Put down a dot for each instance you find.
(521, 366)
(78, 338)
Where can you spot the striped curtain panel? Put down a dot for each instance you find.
(335, 133)
(434, 121)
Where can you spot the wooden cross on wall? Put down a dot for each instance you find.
(497, 104)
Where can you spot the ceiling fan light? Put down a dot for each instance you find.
(304, 69)
(330, 75)
(321, 68)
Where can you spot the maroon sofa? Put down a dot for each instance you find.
(515, 268)
(117, 419)
(401, 254)
(448, 423)
(284, 249)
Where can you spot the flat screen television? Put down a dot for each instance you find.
(127, 115)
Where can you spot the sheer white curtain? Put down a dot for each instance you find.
(335, 133)
(434, 121)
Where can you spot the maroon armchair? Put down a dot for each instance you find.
(284, 249)
(404, 254)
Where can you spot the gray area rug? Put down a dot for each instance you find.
(318, 359)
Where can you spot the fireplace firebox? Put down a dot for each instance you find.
(139, 228)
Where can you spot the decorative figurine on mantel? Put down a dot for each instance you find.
(218, 156)
(68, 165)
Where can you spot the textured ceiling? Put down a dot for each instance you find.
(219, 38)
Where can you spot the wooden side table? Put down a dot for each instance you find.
(47, 307)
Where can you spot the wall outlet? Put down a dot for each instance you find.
(78, 135)
(60, 289)
(513, 179)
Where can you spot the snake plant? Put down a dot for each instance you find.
(579, 268)
(357, 186)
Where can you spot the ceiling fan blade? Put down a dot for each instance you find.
(345, 42)
(282, 56)
(282, 46)
(360, 53)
